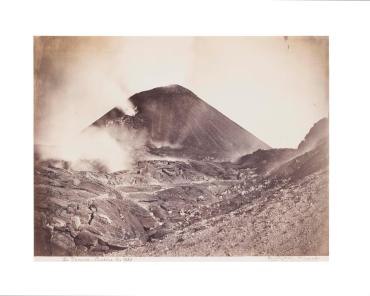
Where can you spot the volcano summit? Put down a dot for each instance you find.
(180, 124)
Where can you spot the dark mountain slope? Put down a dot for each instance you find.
(180, 124)
(318, 133)
(310, 156)
(305, 164)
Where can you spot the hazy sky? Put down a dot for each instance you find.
(274, 87)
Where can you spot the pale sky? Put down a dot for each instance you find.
(274, 87)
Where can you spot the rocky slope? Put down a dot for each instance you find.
(89, 213)
(280, 212)
(289, 219)
(272, 202)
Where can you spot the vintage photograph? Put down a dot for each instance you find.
(181, 146)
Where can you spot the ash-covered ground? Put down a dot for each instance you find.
(267, 202)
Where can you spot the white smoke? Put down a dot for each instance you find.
(165, 144)
(109, 149)
(79, 79)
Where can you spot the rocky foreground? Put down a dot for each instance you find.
(261, 205)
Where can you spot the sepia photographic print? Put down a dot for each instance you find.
(181, 146)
